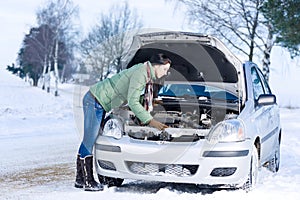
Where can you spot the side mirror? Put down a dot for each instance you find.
(266, 99)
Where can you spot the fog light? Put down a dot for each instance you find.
(223, 171)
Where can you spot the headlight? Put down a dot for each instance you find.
(227, 131)
(113, 128)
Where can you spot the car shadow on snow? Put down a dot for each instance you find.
(154, 187)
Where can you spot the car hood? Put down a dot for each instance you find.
(195, 57)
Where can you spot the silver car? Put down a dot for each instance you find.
(223, 119)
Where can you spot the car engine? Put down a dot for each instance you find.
(187, 122)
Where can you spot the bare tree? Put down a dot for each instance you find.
(34, 56)
(109, 39)
(240, 23)
(59, 15)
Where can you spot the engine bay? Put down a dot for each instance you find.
(186, 121)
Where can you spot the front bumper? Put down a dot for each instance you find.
(181, 162)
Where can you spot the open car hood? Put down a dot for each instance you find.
(194, 57)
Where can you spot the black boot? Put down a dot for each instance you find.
(87, 168)
(79, 181)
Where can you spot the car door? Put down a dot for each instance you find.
(273, 121)
(265, 115)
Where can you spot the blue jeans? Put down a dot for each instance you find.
(93, 114)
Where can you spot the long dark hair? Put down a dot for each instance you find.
(159, 59)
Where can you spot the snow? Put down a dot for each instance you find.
(40, 134)
(284, 77)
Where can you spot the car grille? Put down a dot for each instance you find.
(156, 169)
(165, 137)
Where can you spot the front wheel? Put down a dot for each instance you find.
(109, 181)
(253, 172)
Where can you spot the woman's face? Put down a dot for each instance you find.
(161, 70)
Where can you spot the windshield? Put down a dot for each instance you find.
(182, 90)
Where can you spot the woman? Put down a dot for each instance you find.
(110, 93)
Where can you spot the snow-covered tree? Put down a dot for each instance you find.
(109, 39)
(284, 15)
(60, 15)
(238, 23)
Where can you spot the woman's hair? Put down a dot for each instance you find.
(159, 59)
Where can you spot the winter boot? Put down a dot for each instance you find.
(79, 181)
(87, 168)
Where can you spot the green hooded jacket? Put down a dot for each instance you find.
(125, 87)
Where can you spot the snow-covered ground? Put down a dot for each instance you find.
(39, 136)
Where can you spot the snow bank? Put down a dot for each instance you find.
(284, 78)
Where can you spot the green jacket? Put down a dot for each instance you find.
(125, 87)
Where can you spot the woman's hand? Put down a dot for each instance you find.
(157, 124)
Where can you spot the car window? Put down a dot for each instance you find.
(265, 83)
(182, 89)
(179, 90)
(257, 84)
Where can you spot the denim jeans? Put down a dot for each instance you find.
(93, 115)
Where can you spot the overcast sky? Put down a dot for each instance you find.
(18, 16)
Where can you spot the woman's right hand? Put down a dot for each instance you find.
(156, 124)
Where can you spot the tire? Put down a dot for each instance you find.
(274, 163)
(109, 181)
(253, 172)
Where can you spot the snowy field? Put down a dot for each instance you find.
(39, 140)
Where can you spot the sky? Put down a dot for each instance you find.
(17, 17)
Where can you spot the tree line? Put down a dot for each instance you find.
(54, 48)
(250, 27)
